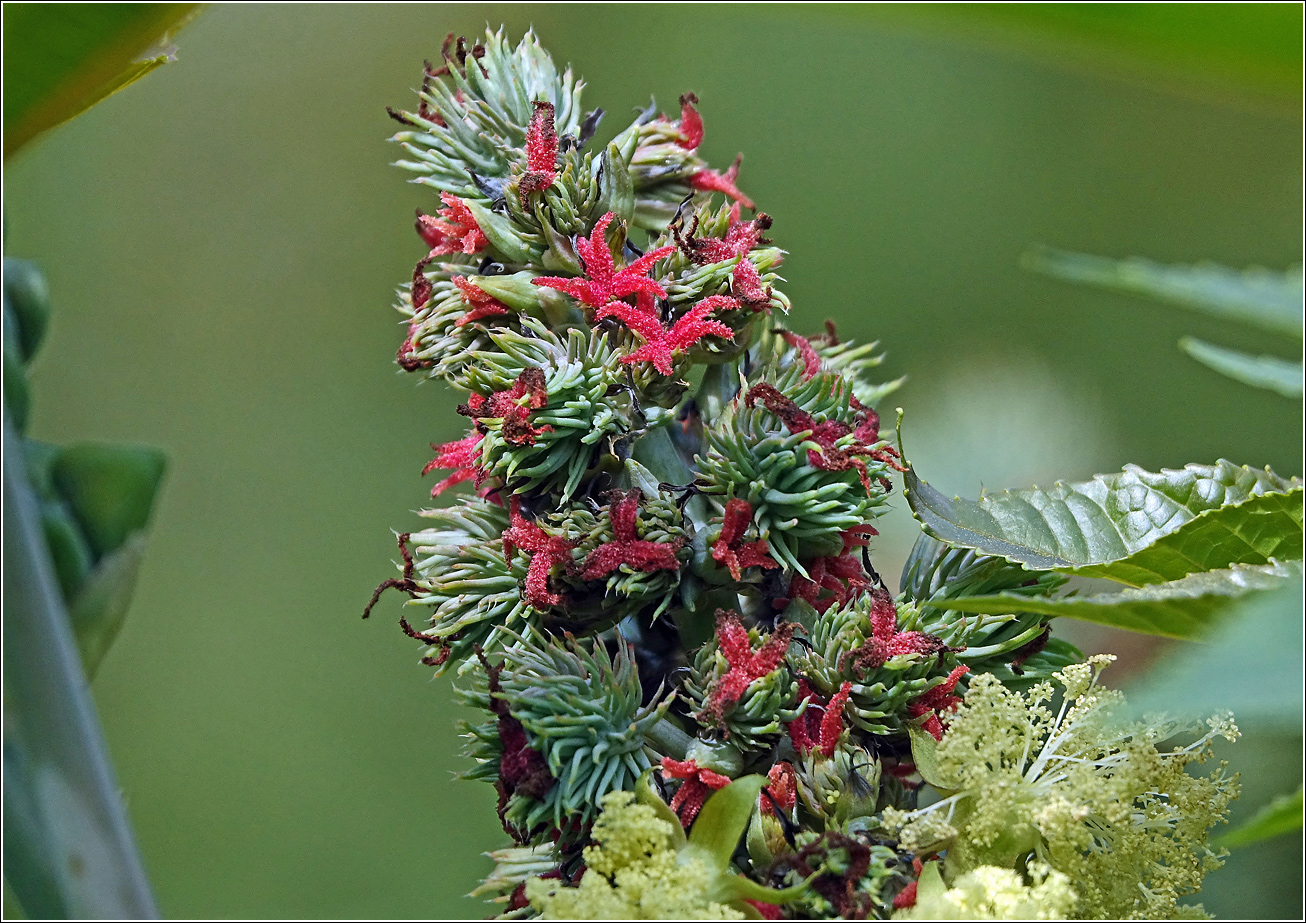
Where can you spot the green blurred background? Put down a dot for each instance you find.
(222, 241)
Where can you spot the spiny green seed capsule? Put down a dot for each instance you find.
(570, 729)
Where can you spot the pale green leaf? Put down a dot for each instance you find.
(645, 794)
(1185, 608)
(98, 612)
(721, 823)
(1280, 816)
(1264, 298)
(1267, 372)
(1135, 527)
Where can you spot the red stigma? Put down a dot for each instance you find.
(730, 551)
(746, 665)
(604, 282)
(697, 785)
(626, 547)
(541, 152)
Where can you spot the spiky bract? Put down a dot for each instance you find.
(757, 718)
(587, 405)
(476, 122)
(462, 575)
(580, 708)
(881, 692)
(801, 509)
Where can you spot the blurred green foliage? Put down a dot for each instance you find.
(1256, 49)
(224, 267)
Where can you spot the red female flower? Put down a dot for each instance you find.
(547, 551)
(730, 551)
(819, 727)
(842, 575)
(937, 700)
(907, 896)
(691, 123)
(661, 344)
(454, 231)
(482, 304)
(746, 664)
(508, 406)
(826, 458)
(886, 640)
(712, 181)
(626, 547)
(782, 783)
(462, 456)
(605, 283)
(812, 365)
(541, 152)
(697, 785)
(739, 239)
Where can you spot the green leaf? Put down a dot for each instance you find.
(722, 821)
(69, 552)
(99, 610)
(502, 234)
(110, 490)
(645, 794)
(1134, 527)
(1260, 297)
(1184, 608)
(930, 884)
(1250, 664)
(1266, 372)
(641, 477)
(1280, 816)
(61, 59)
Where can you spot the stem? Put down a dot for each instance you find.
(79, 858)
(719, 387)
(667, 738)
(655, 451)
